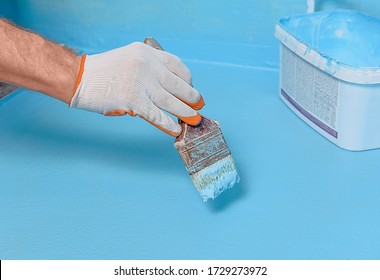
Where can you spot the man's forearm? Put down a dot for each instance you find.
(30, 61)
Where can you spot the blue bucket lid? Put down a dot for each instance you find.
(345, 44)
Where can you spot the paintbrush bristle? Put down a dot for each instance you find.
(216, 178)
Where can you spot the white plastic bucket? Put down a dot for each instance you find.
(330, 75)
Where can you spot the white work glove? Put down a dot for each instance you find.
(138, 80)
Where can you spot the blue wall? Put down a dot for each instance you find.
(100, 24)
(370, 7)
(7, 9)
(212, 30)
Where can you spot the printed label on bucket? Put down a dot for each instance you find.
(309, 90)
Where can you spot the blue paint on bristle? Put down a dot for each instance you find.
(216, 178)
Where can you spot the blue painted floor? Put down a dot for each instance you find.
(77, 185)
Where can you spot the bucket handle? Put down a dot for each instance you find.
(310, 6)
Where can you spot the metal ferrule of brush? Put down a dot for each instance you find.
(202, 145)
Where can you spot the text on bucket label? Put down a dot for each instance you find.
(311, 91)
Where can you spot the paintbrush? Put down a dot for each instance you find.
(205, 153)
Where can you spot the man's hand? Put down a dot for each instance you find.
(138, 80)
(30, 61)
